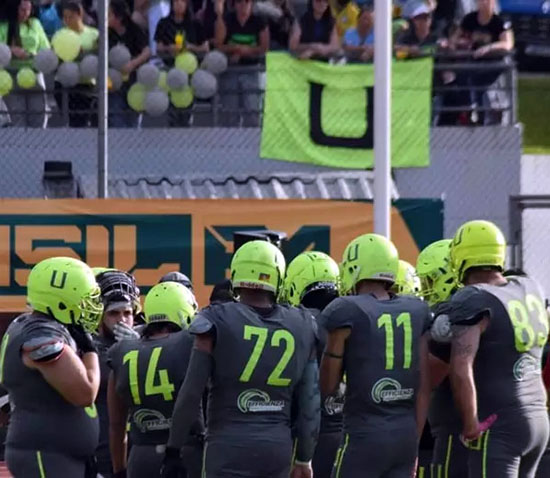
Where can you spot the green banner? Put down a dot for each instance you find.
(323, 114)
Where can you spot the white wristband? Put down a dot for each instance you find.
(302, 463)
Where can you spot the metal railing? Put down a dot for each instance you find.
(463, 89)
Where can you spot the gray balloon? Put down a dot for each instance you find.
(204, 84)
(215, 62)
(119, 55)
(116, 79)
(156, 102)
(148, 75)
(89, 67)
(68, 74)
(5, 55)
(177, 79)
(46, 61)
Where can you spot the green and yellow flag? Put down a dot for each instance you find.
(324, 114)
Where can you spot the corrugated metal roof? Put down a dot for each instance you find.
(330, 185)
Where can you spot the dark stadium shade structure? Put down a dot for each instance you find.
(277, 238)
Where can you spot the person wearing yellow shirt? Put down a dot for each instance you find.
(25, 37)
(345, 13)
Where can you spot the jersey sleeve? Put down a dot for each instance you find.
(113, 356)
(338, 315)
(44, 342)
(203, 322)
(468, 306)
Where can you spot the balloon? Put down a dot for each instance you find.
(182, 98)
(148, 75)
(163, 85)
(187, 62)
(26, 78)
(66, 44)
(177, 79)
(116, 79)
(68, 74)
(136, 97)
(156, 102)
(46, 61)
(89, 66)
(5, 55)
(6, 83)
(204, 84)
(119, 56)
(215, 62)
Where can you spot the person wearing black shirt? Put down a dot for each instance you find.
(315, 35)
(122, 30)
(178, 32)
(244, 37)
(419, 39)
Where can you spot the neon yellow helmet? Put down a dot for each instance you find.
(477, 244)
(368, 257)
(170, 302)
(433, 267)
(406, 282)
(66, 289)
(258, 265)
(308, 272)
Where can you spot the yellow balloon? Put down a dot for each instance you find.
(183, 98)
(136, 97)
(162, 82)
(6, 83)
(66, 44)
(26, 78)
(187, 62)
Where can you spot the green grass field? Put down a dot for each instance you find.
(534, 113)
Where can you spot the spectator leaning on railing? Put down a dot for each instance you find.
(244, 37)
(418, 40)
(345, 14)
(359, 41)
(123, 30)
(25, 37)
(280, 18)
(315, 35)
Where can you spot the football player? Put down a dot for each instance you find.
(438, 282)
(499, 328)
(256, 355)
(49, 365)
(145, 379)
(312, 280)
(379, 341)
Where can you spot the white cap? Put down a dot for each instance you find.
(419, 8)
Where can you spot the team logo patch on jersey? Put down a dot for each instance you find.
(255, 401)
(150, 420)
(525, 367)
(390, 390)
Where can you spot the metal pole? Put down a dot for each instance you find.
(382, 116)
(103, 102)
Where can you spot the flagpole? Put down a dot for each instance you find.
(382, 116)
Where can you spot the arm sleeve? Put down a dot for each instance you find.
(43, 42)
(187, 406)
(337, 315)
(468, 306)
(308, 420)
(44, 343)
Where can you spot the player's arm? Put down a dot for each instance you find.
(189, 398)
(75, 379)
(438, 369)
(425, 388)
(118, 415)
(464, 347)
(332, 365)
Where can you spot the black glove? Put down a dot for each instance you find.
(120, 474)
(172, 466)
(83, 339)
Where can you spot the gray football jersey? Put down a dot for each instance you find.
(149, 374)
(507, 368)
(381, 359)
(259, 359)
(41, 418)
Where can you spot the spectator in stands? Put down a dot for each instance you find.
(359, 41)
(147, 14)
(280, 18)
(418, 40)
(26, 37)
(82, 99)
(50, 16)
(123, 30)
(178, 32)
(345, 14)
(315, 35)
(244, 37)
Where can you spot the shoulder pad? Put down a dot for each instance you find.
(468, 305)
(338, 314)
(43, 348)
(202, 323)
